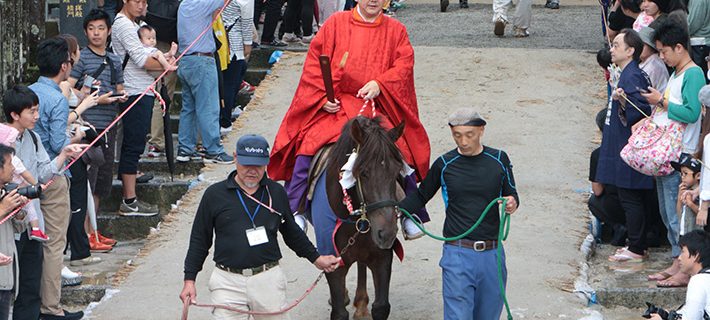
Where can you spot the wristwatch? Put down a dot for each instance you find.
(660, 102)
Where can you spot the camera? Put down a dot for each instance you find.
(665, 315)
(30, 192)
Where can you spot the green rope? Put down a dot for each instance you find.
(503, 230)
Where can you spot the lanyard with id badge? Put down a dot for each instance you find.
(256, 235)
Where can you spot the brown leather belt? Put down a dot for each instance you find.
(249, 271)
(480, 245)
(201, 54)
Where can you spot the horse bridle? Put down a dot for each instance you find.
(362, 224)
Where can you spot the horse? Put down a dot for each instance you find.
(370, 240)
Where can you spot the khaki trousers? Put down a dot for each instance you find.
(55, 207)
(265, 291)
(157, 137)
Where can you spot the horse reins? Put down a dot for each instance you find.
(362, 224)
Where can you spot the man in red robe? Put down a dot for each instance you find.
(372, 62)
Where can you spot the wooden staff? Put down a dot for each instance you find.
(327, 77)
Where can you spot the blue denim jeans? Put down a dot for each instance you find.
(667, 187)
(200, 105)
(470, 283)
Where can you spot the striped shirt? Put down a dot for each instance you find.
(89, 62)
(239, 16)
(124, 38)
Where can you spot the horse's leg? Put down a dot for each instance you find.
(361, 298)
(336, 283)
(381, 275)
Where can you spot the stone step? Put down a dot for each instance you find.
(126, 228)
(97, 278)
(160, 191)
(159, 166)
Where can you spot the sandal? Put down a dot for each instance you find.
(625, 256)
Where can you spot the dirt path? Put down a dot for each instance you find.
(543, 119)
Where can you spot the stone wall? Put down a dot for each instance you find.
(21, 27)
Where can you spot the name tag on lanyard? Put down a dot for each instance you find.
(257, 236)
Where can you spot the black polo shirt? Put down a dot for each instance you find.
(472, 182)
(222, 214)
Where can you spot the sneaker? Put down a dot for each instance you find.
(552, 4)
(154, 152)
(221, 158)
(223, 131)
(137, 209)
(37, 235)
(307, 39)
(410, 230)
(102, 239)
(463, 4)
(96, 246)
(276, 43)
(443, 4)
(85, 262)
(67, 316)
(70, 278)
(301, 221)
(520, 32)
(246, 88)
(499, 26)
(187, 157)
(236, 113)
(289, 37)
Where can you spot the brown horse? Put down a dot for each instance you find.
(377, 170)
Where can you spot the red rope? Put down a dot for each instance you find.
(292, 305)
(147, 89)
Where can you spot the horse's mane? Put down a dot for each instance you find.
(376, 149)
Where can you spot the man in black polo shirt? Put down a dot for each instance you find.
(470, 176)
(247, 252)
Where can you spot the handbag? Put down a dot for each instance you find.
(653, 146)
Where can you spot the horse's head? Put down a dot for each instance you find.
(377, 169)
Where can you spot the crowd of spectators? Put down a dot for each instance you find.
(656, 65)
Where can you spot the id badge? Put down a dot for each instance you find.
(257, 236)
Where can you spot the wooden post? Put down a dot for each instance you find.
(21, 28)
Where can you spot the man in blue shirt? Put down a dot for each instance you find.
(54, 64)
(198, 74)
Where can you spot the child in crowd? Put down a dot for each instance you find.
(688, 204)
(147, 35)
(22, 177)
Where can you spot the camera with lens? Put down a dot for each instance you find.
(665, 315)
(30, 192)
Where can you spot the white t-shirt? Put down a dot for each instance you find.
(697, 298)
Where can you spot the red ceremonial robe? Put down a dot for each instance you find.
(360, 52)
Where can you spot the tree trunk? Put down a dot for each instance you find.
(21, 28)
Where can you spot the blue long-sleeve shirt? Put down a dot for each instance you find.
(611, 169)
(53, 115)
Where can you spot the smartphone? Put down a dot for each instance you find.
(116, 95)
(642, 90)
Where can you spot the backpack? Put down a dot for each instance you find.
(162, 16)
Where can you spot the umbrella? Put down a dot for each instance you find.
(164, 99)
(91, 210)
